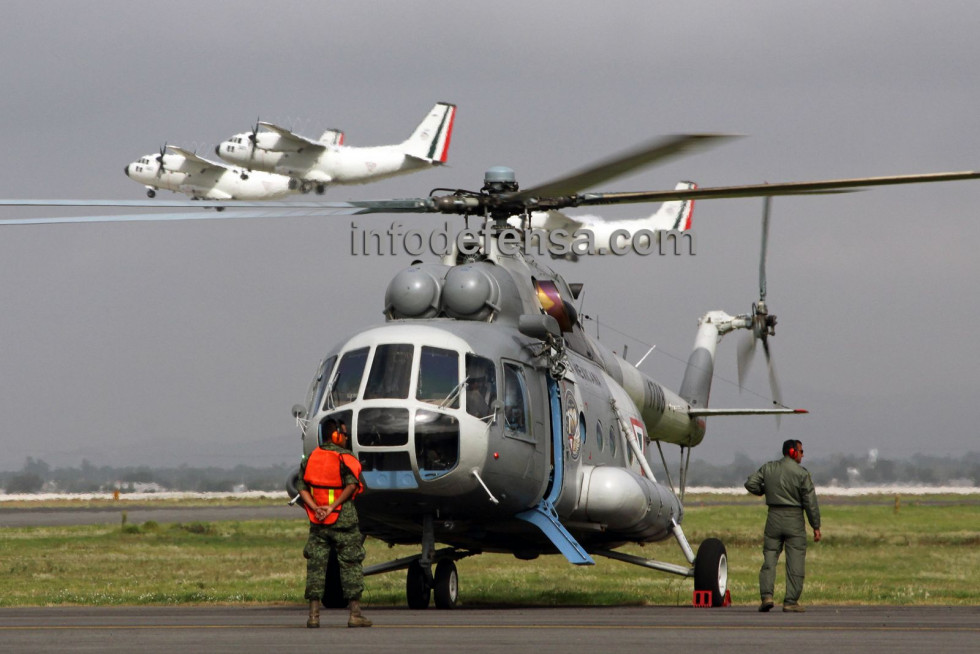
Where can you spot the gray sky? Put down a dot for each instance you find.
(171, 343)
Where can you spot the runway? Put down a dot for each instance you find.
(568, 630)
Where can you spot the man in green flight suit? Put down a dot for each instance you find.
(329, 480)
(789, 494)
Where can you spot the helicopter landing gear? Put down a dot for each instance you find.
(420, 584)
(418, 588)
(711, 570)
(447, 585)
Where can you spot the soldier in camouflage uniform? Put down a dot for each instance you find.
(789, 494)
(328, 532)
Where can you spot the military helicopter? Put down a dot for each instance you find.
(487, 420)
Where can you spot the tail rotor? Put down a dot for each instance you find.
(763, 324)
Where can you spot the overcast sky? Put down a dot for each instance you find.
(173, 343)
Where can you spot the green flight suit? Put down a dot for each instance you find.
(789, 494)
(343, 535)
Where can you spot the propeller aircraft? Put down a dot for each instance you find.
(486, 419)
(179, 170)
(313, 165)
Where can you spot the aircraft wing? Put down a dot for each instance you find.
(192, 157)
(293, 138)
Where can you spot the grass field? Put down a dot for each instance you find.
(926, 550)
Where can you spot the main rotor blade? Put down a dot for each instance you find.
(762, 190)
(644, 155)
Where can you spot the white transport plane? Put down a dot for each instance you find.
(179, 170)
(314, 165)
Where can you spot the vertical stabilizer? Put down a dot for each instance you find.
(431, 138)
(696, 386)
(677, 215)
(332, 137)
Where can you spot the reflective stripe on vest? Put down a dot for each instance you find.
(324, 477)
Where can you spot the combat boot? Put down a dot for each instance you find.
(356, 618)
(766, 605)
(313, 622)
(793, 608)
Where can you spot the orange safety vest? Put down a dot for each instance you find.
(325, 480)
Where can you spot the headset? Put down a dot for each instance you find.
(339, 435)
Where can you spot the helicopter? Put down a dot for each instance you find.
(484, 416)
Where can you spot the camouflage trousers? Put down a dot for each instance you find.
(350, 552)
(784, 528)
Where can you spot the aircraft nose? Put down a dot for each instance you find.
(126, 170)
(217, 150)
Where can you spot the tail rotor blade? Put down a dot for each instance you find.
(746, 350)
(765, 247)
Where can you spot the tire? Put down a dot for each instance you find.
(416, 589)
(447, 585)
(711, 570)
(333, 591)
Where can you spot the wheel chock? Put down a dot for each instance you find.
(702, 599)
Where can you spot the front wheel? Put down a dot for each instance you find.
(416, 587)
(711, 570)
(447, 585)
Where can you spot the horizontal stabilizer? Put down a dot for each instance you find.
(703, 413)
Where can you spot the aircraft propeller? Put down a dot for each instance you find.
(763, 323)
(159, 158)
(253, 137)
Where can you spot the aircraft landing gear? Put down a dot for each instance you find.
(447, 585)
(418, 588)
(420, 582)
(150, 193)
(711, 570)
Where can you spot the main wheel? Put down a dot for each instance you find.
(711, 570)
(447, 585)
(416, 588)
(333, 591)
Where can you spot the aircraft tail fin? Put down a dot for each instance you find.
(332, 137)
(430, 140)
(676, 215)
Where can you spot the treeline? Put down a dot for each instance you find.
(849, 470)
(37, 476)
(841, 470)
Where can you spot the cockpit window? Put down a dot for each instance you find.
(439, 377)
(481, 386)
(348, 380)
(391, 372)
(515, 400)
(318, 385)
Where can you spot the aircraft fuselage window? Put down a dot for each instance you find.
(391, 372)
(613, 436)
(382, 427)
(436, 443)
(515, 400)
(481, 386)
(439, 377)
(348, 381)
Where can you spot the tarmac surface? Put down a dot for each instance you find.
(244, 629)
